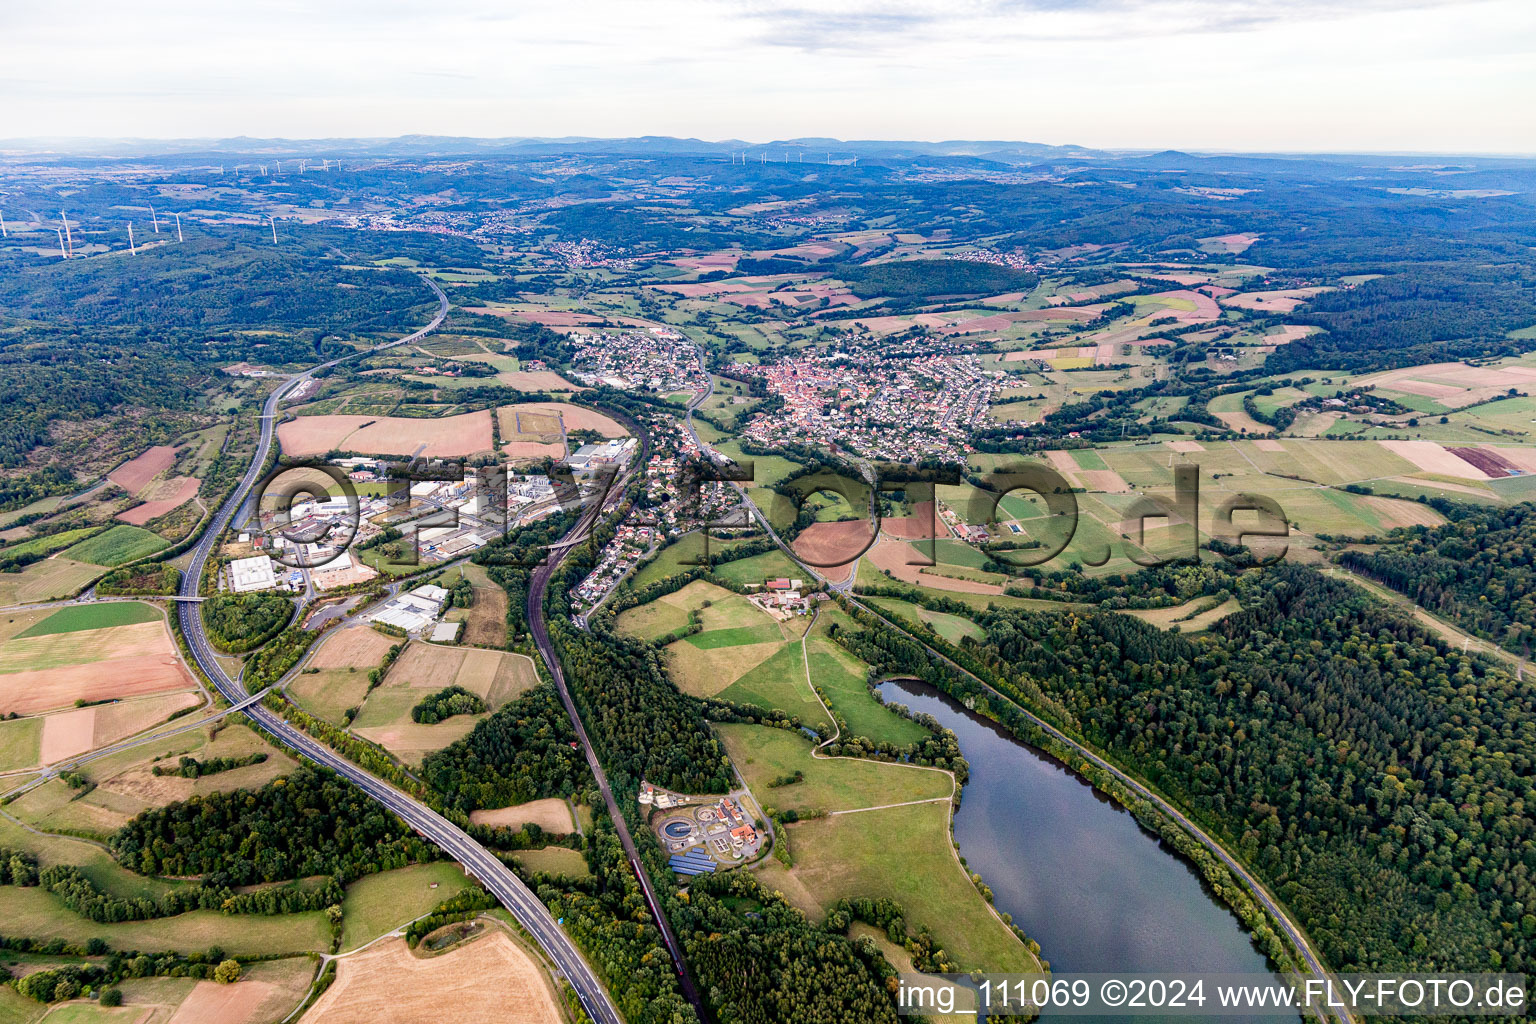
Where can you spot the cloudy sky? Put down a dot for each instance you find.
(1298, 75)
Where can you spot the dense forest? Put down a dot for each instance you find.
(237, 623)
(1417, 314)
(927, 279)
(607, 917)
(770, 964)
(215, 282)
(523, 752)
(1478, 570)
(304, 824)
(1378, 780)
(642, 726)
(445, 703)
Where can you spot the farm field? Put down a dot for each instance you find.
(423, 669)
(764, 754)
(46, 544)
(552, 814)
(66, 734)
(122, 543)
(68, 657)
(101, 615)
(769, 565)
(343, 660)
(132, 475)
(551, 417)
(443, 437)
(491, 978)
(904, 854)
(41, 915)
(1168, 618)
(742, 653)
(126, 783)
(379, 903)
(267, 992)
(554, 860)
(485, 620)
(951, 627)
(160, 499)
(842, 678)
(655, 619)
(778, 683)
(670, 560)
(48, 580)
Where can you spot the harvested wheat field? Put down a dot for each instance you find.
(1269, 445)
(162, 498)
(1104, 481)
(1394, 512)
(922, 524)
(135, 473)
(574, 417)
(833, 548)
(1186, 447)
(355, 646)
(38, 673)
(423, 669)
(1432, 458)
(444, 437)
(536, 380)
(68, 733)
(491, 980)
(497, 676)
(893, 556)
(1279, 301)
(551, 814)
(245, 1002)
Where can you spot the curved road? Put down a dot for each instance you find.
(479, 862)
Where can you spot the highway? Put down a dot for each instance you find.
(538, 585)
(478, 861)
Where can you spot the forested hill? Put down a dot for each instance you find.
(1479, 571)
(1379, 781)
(214, 282)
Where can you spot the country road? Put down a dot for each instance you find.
(479, 862)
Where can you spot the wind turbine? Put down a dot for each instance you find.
(154, 218)
(273, 221)
(62, 252)
(3, 233)
(178, 228)
(67, 236)
(132, 249)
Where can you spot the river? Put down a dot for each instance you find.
(1079, 875)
